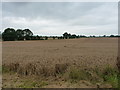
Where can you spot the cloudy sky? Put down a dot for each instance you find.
(55, 18)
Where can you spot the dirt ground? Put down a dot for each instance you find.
(85, 53)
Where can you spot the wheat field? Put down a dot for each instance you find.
(49, 58)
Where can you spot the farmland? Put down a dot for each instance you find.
(59, 63)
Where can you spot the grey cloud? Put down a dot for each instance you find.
(57, 17)
(59, 10)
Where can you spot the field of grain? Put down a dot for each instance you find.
(50, 58)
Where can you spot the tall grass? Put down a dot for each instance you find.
(75, 74)
(111, 75)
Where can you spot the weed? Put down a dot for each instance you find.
(25, 86)
(31, 84)
(110, 75)
(34, 84)
(0, 69)
(76, 74)
(43, 83)
(5, 69)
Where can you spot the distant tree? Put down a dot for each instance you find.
(38, 37)
(104, 35)
(27, 34)
(53, 37)
(9, 34)
(82, 36)
(73, 36)
(112, 36)
(90, 36)
(69, 36)
(19, 34)
(65, 35)
(46, 38)
(60, 37)
(77, 36)
(0, 36)
(41, 38)
(35, 37)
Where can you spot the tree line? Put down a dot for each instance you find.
(11, 34)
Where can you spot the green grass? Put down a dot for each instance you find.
(43, 83)
(33, 84)
(77, 74)
(5, 69)
(0, 69)
(110, 75)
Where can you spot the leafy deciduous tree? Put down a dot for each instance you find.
(9, 34)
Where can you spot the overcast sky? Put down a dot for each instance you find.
(55, 18)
